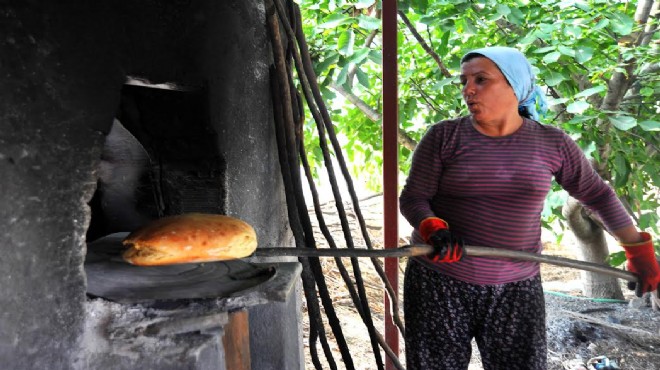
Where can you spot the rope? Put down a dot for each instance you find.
(600, 300)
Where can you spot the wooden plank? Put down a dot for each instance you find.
(236, 341)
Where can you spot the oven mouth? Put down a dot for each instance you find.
(111, 278)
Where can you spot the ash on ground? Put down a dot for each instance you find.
(579, 330)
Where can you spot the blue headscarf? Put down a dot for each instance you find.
(517, 70)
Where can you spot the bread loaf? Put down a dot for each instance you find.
(190, 238)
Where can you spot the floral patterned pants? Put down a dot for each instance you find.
(443, 314)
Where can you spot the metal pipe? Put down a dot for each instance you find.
(469, 250)
(390, 164)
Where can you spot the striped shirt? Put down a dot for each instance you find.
(491, 192)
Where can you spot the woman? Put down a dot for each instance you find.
(482, 179)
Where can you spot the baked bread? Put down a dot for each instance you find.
(190, 238)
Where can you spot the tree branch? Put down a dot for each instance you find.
(402, 137)
(646, 9)
(359, 103)
(427, 48)
(367, 43)
(429, 102)
(620, 82)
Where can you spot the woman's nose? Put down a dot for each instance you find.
(468, 89)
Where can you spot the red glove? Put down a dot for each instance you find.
(447, 247)
(642, 262)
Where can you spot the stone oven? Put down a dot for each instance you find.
(115, 113)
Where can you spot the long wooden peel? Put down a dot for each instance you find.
(469, 250)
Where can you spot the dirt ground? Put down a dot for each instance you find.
(578, 329)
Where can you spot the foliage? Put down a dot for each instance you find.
(580, 49)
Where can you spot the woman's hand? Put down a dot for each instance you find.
(643, 263)
(447, 246)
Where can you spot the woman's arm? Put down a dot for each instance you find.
(628, 235)
(583, 183)
(578, 177)
(422, 181)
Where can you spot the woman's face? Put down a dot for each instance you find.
(488, 95)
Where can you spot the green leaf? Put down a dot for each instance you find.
(621, 170)
(336, 19)
(359, 56)
(583, 53)
(368, 23)
(554, 78)
(622, 24)
(428, 20)
(420, 6)
(343, 74)
(553, 101)
(582, 5)
(403, 5)
(503, 9)
(315, 6)
(589, 149)
(330, 59)
(318, 153)
(444, 43)
(516, 17)
(363, 78)
(554, 200)
(334, 4)
(574, 32)
(551, 57)
(653, 172)
(529, 38)
(590, 91)
(649, 125)
(578, 107)
(617, 259)
(566, 50)
(601, 24)
(646, 91)
(346, 42)
(468, 27)
(622, 122)
(328, 95)
(443, 82)
(548, 28)
(648, 220)
(376, 56)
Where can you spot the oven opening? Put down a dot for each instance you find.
(160, 158)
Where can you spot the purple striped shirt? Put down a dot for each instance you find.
(491, 191)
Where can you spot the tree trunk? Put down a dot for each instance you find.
(592, 247)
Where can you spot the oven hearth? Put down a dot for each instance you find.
(176, 315)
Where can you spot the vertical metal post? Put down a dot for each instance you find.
(390, 163)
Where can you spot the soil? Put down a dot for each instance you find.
(578, 329)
